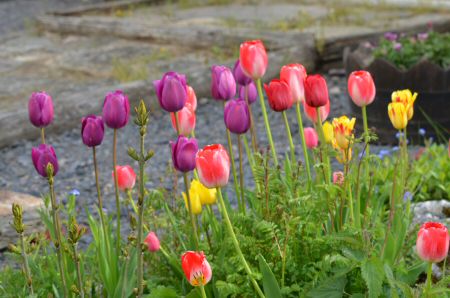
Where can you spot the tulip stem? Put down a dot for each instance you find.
(325, 158)
(42, 135)
(202, 290)
(236, 244)
(25, 264)
(140, 255)
(241, 174)
(366, 131)
(266, 121)
(302, 135)
(252, 124)
(288, 132)
(177, 125)
(116, 188)
(429, 279)
(76, 259)
(191, 214)
(251, 161)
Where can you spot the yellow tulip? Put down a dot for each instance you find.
(398, 114)
(328, 132)
(343, 155)
(206, 195)
(196, 205)
(407, 98)
(343, 131)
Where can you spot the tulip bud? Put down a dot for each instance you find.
(239, 75)
(279, 95)
(338, 178)
(92, 130)
(126, 177)
(398, 115)
(40, 109)
(311, 112)
(116, 109)
(252, 93)
(42, 156)
(186, 120)
(432, 242)
(152, 242)
(407, 99)
(294, 75)
(171, 91)
(311, 137)
(213, 165)
(253, 59)
(316, 91)
(183, 153)
(196, 268)
(237, 116)
(361, 88)
(191, 98)
(223, 85)
(328, 132)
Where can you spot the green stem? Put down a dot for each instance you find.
(177, 125)
(429, 277)
(116, 188)
(252, 125)
(236, 244)
(251, 161)
(289, 135)
(349, 191)
(42, 135)
(241, 174)
(25, 264)
(323, 143)
(77, 266)
(193, 221)
(302, 135)
(366, 131)
(140, 254)
(266, 121)
(202, 290)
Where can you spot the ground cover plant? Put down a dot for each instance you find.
(302, 227)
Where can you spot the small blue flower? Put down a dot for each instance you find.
(74, 192)
(408, 196)
(383, 153)
(395, 148)
(422, 131)
(399, 135)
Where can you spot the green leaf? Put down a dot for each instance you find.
(270, 284)
(163, 292)
(195, 293)
(373, 273)
(330, 288)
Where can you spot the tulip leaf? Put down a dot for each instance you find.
(270, 284)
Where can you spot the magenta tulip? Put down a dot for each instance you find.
(223, 85)
(252, 93)
(183, 153)
(239, 75)
(40, 109)
(237, 116)
(92, 130)
(116, 109)
(42, 156)
(171, 91)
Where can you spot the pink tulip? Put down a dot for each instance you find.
(191, 98)
(361, 88)
(338, 178)
(432, 242)
(312, 114)
(253, 59)
(126, 177)
(311, 137)
(196, 268)
(213, 166)
(186, 120)
(152, 242)
(294, 75)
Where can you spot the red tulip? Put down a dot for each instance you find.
(311, 137)
(253, 59)
(186, 120)
(196, 268)
(316, 91)
(152, 242)
(361, 88)
(126, 178)
(191, 98)
(432, 242)
(213, 166)
(311, 112)
(295, 75)
(279, 95)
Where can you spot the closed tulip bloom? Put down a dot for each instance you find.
(42, 156)
(316, 91)
(152, 242)
(311, 112)
(223, 85)
(398, 115)
(40, 109)
(343, 131)
(186, 120)
(295, 75)
(432, 242)
(191, 98)
(196, 268)
(171, 91)
(252, 93)
(239, 75)
(236, 116)
(328, 132)
(311, 137)
(361, 88)
(253, 59)
(407, 98)
(213, 166)
(126, 177)
(92, 130)
(116, 109)
(183, 153)
(279, 95)
(196, 204)
(206, 195)
(338, 178)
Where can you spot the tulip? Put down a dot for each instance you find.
(311, 137)
(343, 131)
(196, 268)
(239, 75)
(398, 115)
(171, 91)
(279, 95)
(432, 242)
(407, 99)
(152, 242)
(206, 195)
(42, 156)
(213, 165)
(116, 109)
(191, 98)
(40, 109)
(183, 153)
(316, 91)
(126, 177)
(253, 59)
(361, 88)
(237, 116)
(186, 120)
(92, 130)
(252, 93)
(223, 85)
(338, 178)
(311, 112)
(328, 132)
(294, 75)
(196, 204)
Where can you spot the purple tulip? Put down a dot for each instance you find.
(92, 130)
(398, 46)
(223, 85)
(252, 93)
(391, 36)
(239, 75)
(40, 109)
(422, 36)
(237, 116)
(42, 156)
(171, 91)
(116, 109)
(183, 153)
